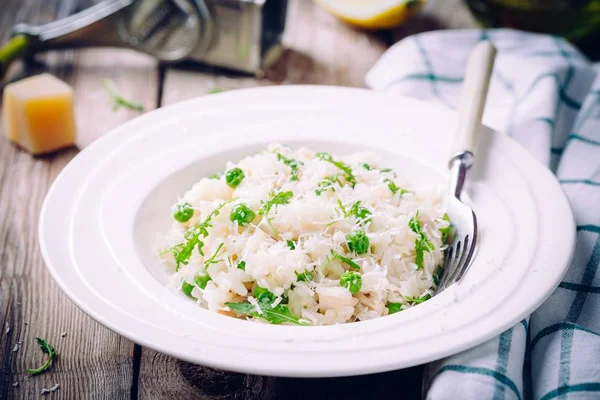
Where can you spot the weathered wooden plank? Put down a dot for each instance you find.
(92, 362)
(319, 50)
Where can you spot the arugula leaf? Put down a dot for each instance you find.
(345, 168)
(264, 295)
(418, 300)
(293, 164)
(394, 307)
(183, 251)
(117, 100)
(356, 210)
(213, 259)
(446, 231)
(280, 198)
(48, 349)
(275, 315)
(326, 184)
(422, 243)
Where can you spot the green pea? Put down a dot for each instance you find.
(351, 280)
(394, 307)
(201, 280)
(242, 214)
(183, 212)
(358, 242)
(186, 288)
(233, 177)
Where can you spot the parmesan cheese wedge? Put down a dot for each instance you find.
(38, 114)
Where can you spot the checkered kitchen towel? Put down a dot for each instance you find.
(546, 95)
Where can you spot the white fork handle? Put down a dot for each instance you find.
(473, 96)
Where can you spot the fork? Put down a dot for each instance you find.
(459, 254)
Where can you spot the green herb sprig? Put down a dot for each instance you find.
(362, 214)
(183, 251)
(277, 199)
(119, 101)
(48, 349)
(418, 300)
(345, 168)
(293, 164)
(447, 230)
(422, 243)
(326, 184)
(278, 314)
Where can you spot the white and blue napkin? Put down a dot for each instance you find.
(546, 95)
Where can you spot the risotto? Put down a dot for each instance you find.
(294, 236)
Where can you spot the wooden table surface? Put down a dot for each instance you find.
(93, 362)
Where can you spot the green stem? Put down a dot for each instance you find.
(15, 48)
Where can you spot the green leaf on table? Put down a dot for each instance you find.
(48, 349)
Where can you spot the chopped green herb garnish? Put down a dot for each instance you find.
(293, 164)
(366, 166)
(183, 212)
(291, 244)
(358, 242)
(418, 300)
(48, 349)
(395, 188)
(346, 260)
(394, 308)
(359, 212)
(215, 176)
(306, 276)
(202, 279)
(186, 288)
(242, 214)
(422, 243)
(215, 90)
(437, 275)
(326, 184)
(275, 315)
(183, 251)
(446, 231)
(213, 258)
(351, 280)
(356, 210)
(280, 198)
(233, 177)
(242, 265)
(345, 168)
(386, 170)
(118, 101)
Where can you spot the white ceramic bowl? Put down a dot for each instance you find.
(99, 221)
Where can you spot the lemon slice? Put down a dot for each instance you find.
(372, 14)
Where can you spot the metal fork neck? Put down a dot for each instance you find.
(459, 165)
